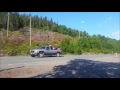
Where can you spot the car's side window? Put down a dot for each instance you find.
(47, 48)
(51, 48)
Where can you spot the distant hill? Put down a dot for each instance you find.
(18, 42)
(17, 39)
(45, 31)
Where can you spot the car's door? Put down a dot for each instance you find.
(52, 51)
(47, 51)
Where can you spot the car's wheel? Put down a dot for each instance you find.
(58, 54)
(32, 56)
(41, 54)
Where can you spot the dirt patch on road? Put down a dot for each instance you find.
(63, 68)
(28, 70)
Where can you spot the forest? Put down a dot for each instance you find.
(82, 42)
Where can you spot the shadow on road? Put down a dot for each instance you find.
(81, 68)
(11, 68)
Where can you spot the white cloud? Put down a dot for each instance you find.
(82, 21)
(115, 35)
(107, 19)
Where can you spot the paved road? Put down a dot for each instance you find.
(28, 59)
(78, 66)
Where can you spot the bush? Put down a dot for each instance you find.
(71, 48)
(77, 50)
(12, 50)
(65, 44)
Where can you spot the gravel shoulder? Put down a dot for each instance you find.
(26, 70)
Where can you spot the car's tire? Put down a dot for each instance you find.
(41, 54)
(58, 54)
(32, 56)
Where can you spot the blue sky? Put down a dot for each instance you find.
(104, 23)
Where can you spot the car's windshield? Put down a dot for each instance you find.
(42, 47)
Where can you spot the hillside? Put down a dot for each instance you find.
(45, 31)
(20, 40)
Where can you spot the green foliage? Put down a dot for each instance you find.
(94, 44)
(65, 44)
(18, 21)
(77, 50)
(86, 43)
(26, 48)
(70, 47)
(22, 49)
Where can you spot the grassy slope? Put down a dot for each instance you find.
(17, 42)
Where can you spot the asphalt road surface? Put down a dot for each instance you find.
(67, 66)
(11, 60)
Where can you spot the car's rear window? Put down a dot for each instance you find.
(42, 47)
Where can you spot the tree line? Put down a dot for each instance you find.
(18, 21)
(92, 44)
(84, 43)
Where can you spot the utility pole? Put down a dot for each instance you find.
(30, 30)
(8, 24)
(79, 34)
(47, 24)
(48, 33)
